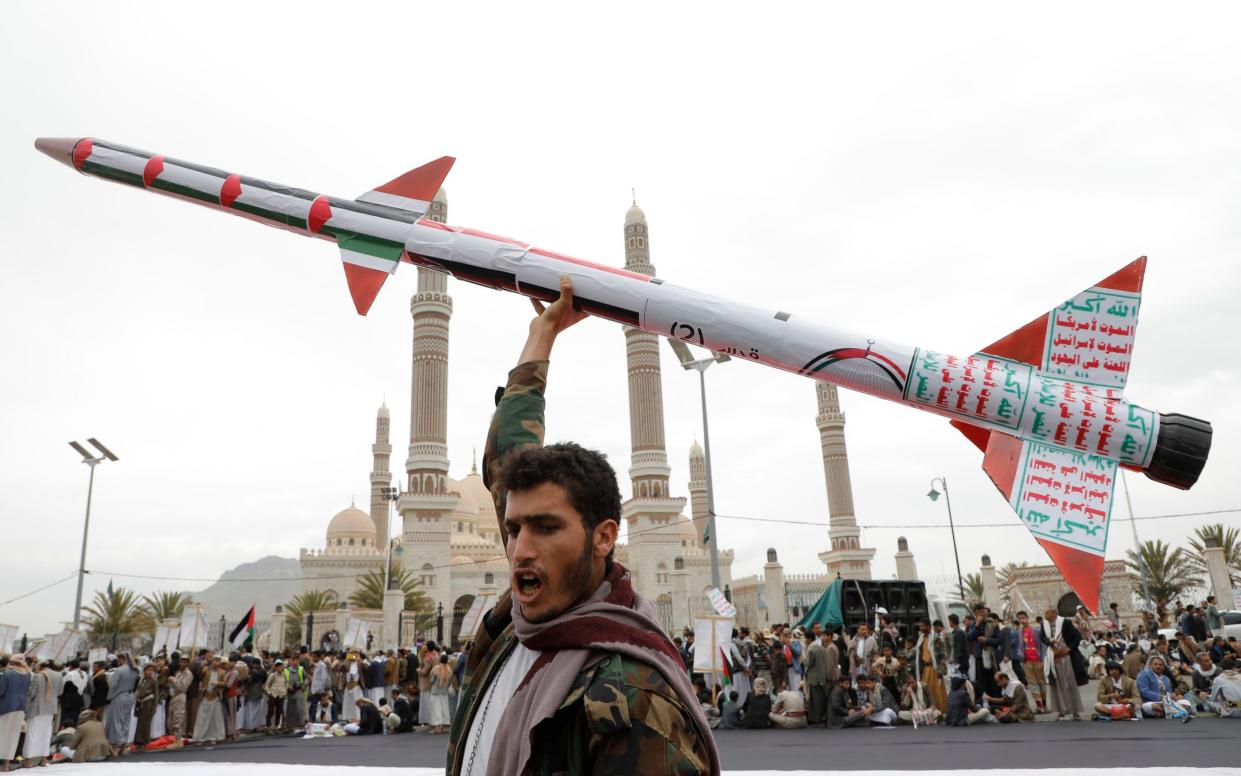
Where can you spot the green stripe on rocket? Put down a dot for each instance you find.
(368, 244)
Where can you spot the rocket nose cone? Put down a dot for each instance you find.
(59, 148)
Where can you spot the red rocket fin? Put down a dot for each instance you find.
(414, 190)
(975, 434)
(1082, 570)
(1089, 338)
(364, 285)
(1025, 344)
(1064, 499)
(1002, 461)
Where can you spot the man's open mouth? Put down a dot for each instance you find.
(528, 584)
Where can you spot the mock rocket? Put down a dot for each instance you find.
(1045, 404)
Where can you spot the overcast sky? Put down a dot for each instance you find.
(940, 174)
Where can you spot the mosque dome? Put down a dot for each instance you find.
(472, 489)
(685, 528)
(351, 524)
(466, 507)
(635, 215)
(695, 450)
(383, 410)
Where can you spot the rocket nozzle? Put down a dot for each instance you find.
(1181, 450)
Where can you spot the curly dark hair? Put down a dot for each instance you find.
(586, 476)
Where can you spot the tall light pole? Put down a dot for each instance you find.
(391, 495)
(1137, 545)
(91, 460)
(934, 496)
(701, 365)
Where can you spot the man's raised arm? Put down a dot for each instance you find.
(518, 420)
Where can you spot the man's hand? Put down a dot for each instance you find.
(550, 321)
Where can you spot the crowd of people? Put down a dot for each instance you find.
(87, 713)
(979, 670)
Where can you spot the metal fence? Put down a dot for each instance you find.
(800, 596)
(664, 605)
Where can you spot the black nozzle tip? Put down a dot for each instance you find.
(1181, 450)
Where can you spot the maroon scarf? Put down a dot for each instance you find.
(615, 619)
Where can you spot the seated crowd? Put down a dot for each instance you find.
(982, 670)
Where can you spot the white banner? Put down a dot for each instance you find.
(356, 632)
(721, 604)
(193, 632)
(8, 638)
(474, 615)
(97, 656)
(167, 635)
(712, 635)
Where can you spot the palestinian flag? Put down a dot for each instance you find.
(728, 668)
(244, 632)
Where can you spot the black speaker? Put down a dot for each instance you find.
(853, 603)
(876, 596)
(894, 594)
(916, 606)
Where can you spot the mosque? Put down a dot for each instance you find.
(448, 533)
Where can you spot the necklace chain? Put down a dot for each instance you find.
(482, 719)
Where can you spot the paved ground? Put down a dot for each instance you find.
(1150, 743)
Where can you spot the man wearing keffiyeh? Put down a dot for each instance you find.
(570, 671)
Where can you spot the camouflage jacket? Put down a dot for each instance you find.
(620, 716)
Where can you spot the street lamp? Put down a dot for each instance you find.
(91, 460)
(701, 365)
(934, 496)
(391, 495)
(394, 546)
(1137, 546)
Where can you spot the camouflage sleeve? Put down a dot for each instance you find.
(516, 425)
(638, 725)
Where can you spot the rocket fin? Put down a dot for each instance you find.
(977, 435)
(364, 285)
(1089, 338)
(1064, 499)
(414, 190)
(1082, 570)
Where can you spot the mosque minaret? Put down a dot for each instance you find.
(846, 557)
(431, 308)
(427, 505)
(381, 474)
(658, 534)
(698, 491)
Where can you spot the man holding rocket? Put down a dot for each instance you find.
(570, 671)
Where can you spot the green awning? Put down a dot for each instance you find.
(826, 611)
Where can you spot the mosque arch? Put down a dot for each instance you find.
(459, 608)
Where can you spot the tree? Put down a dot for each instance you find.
(1007, 583)
(114, 614)
(301, 605)
(1169, 572)
(1227, 538)
(972, 591)
(370, 591)
(165, 605)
